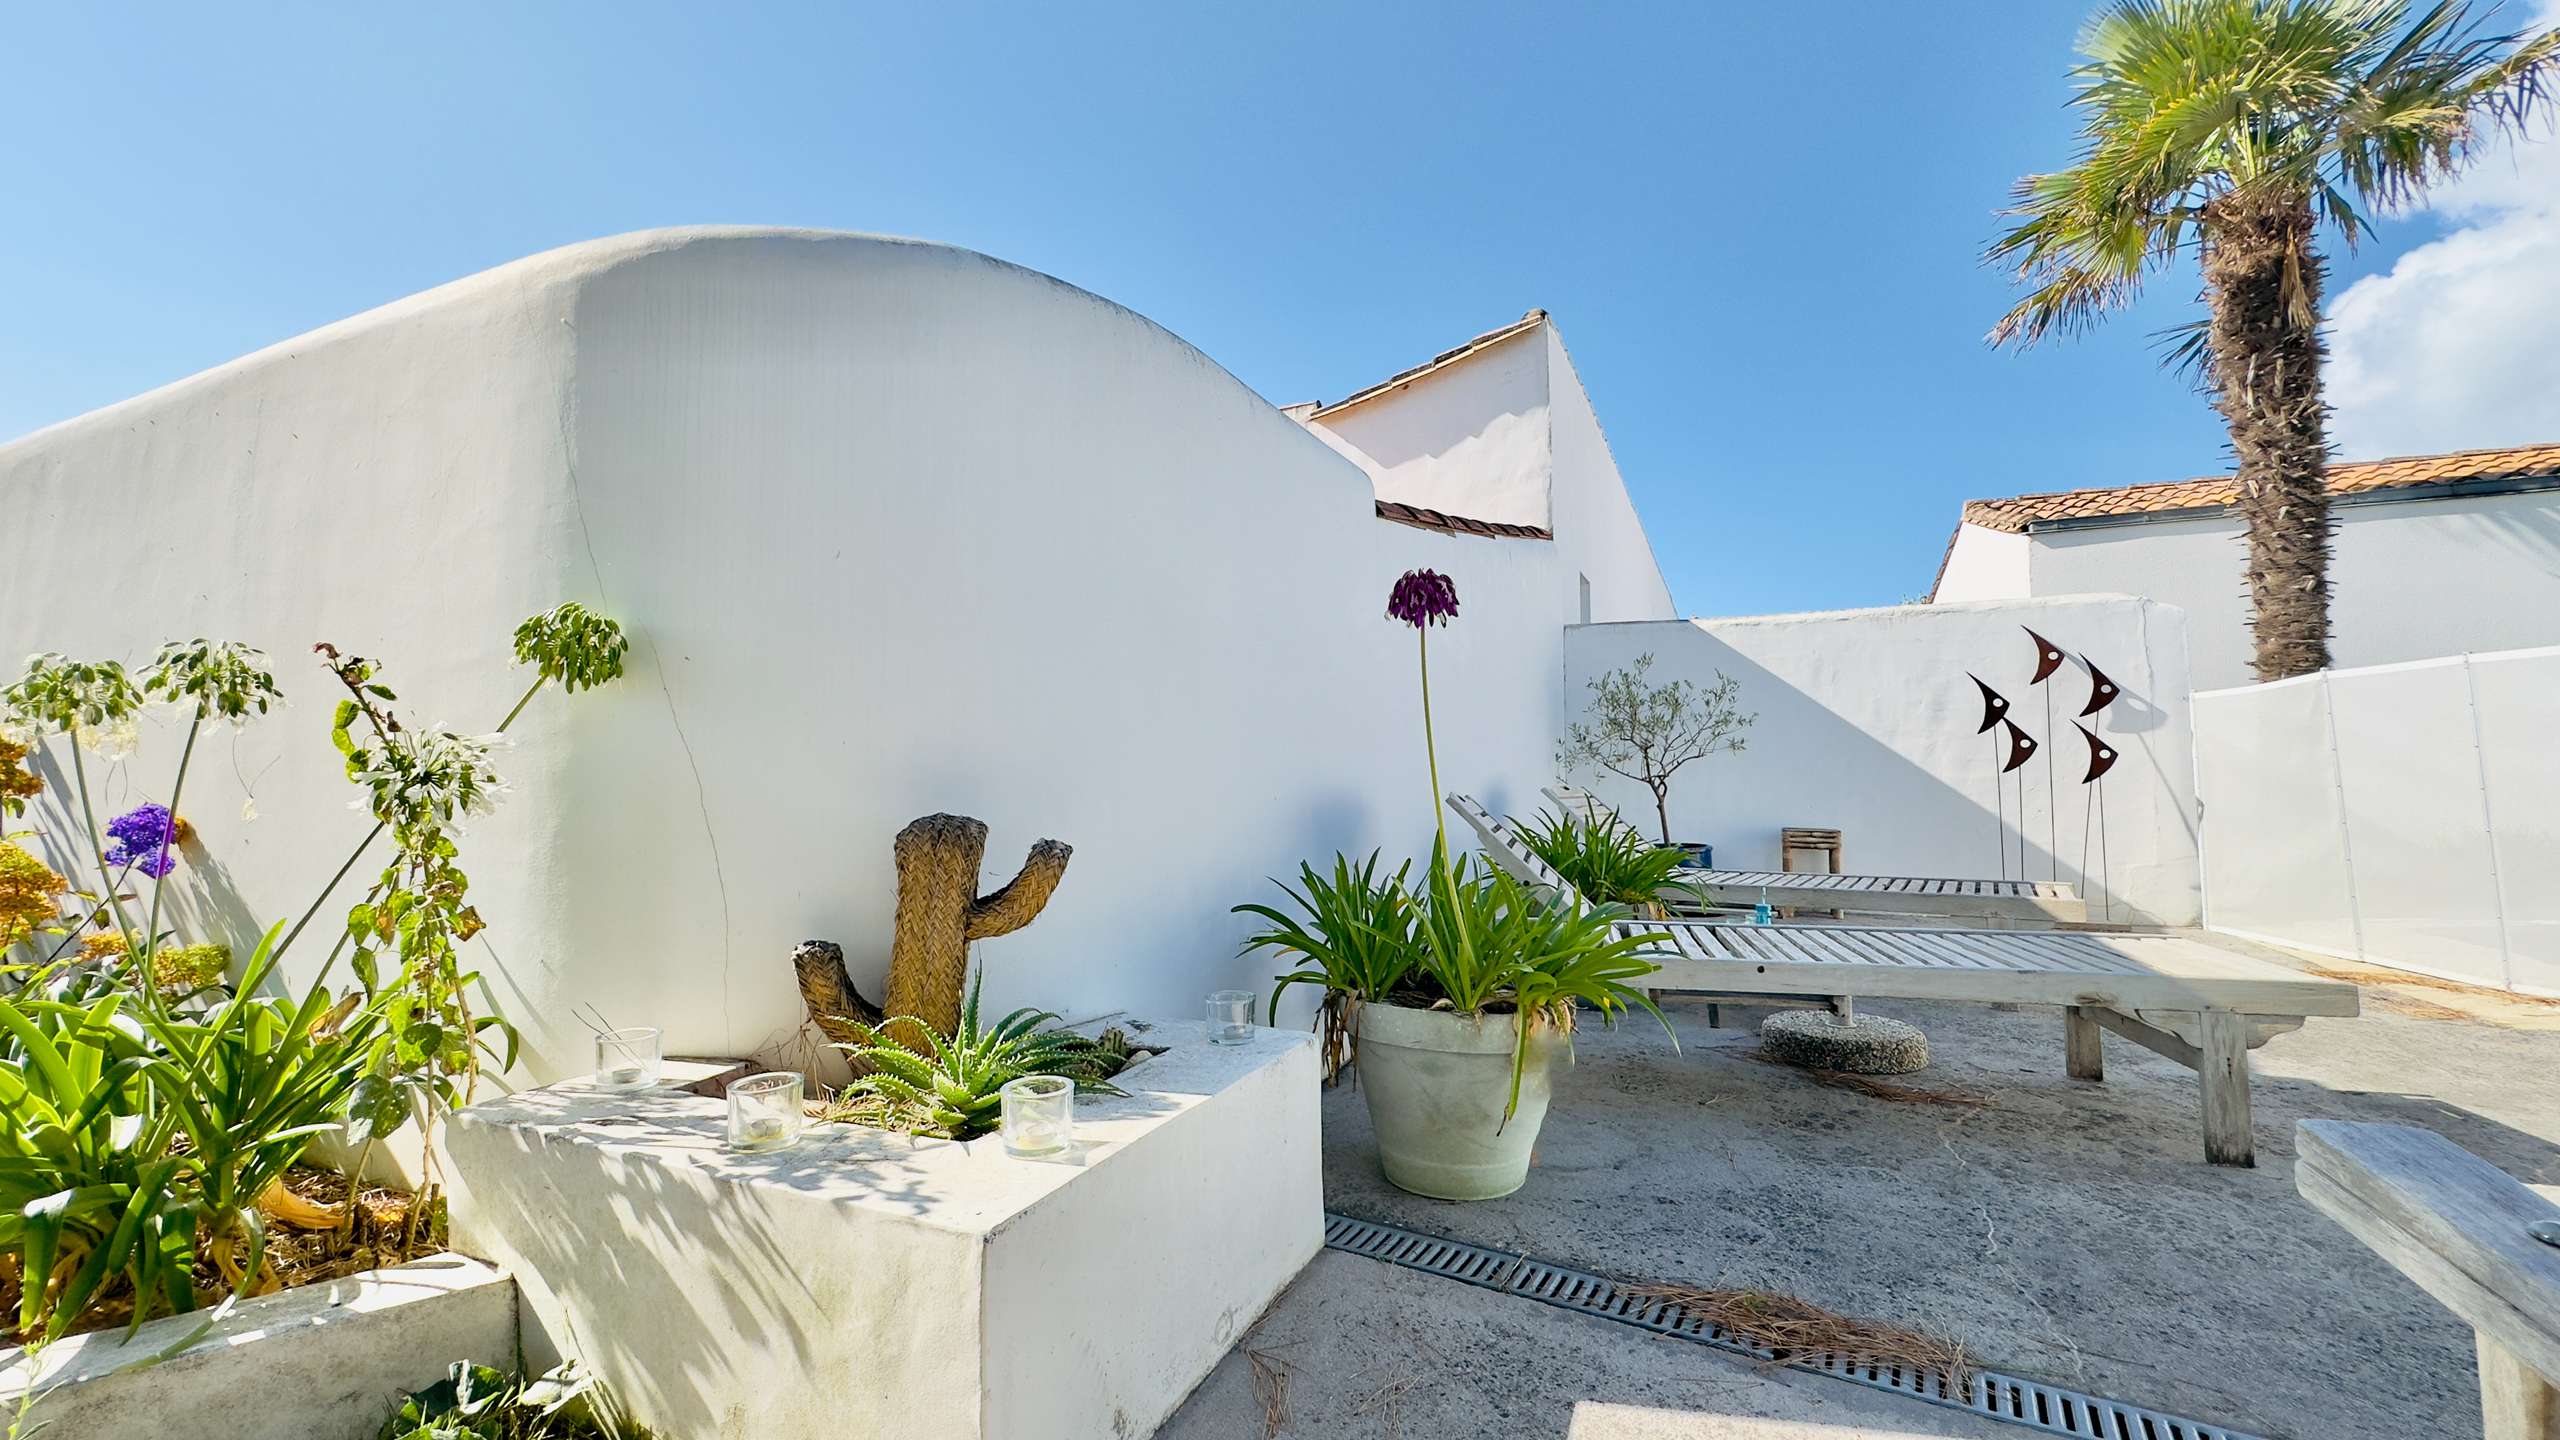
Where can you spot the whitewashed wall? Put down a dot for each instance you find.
(896, 527)
(2409, 579)
(1468, 439)
(2398, 814)
(1867, 725)
(1984, 564)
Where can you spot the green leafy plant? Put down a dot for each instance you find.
(135, 1141)
(1357, 941)
(1647, 732)
(1490, 943)
(478, 1402)
(948, 1085)
(1605, 861)
(2234, 132)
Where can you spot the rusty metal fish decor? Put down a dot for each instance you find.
(1995, 706)
(2048, 657)
(2102, 691)
(2102, 756)
(2021, 746)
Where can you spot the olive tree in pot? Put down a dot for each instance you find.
(1646, 733)
(1450, 1000)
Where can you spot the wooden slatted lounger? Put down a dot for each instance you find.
(2198, 1004)
(2044, 901)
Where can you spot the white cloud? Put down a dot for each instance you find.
(2457, 346)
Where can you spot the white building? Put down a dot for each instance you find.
(2433, 555)
(896, 528)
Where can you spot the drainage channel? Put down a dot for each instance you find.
(2048, 1409)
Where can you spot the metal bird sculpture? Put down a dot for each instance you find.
(2102, 756)
(1994, 705)
(2021, 745)
(2102, 691)
(2048, 657)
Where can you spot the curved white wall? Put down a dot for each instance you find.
(896, 528)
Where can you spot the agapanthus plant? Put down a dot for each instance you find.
(145, 838)
(1422, 599)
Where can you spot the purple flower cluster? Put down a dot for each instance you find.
(143, 838)
(1423, 597)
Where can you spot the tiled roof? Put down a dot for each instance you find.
(1403, 378)
(1421, 519)
(2215, 492)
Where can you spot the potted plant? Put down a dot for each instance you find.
(1452, 1000)
(1645, 733)
(1609, 861)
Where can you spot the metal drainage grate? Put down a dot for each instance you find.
(2047, 1408)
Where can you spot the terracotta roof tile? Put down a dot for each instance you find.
(1421, 519)
(2215, 492)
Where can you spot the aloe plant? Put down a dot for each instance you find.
(950, 1085)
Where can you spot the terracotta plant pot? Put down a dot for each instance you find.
(1436, 1084)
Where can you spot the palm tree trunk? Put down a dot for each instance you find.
(2262, 282)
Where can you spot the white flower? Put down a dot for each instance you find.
(110, 740)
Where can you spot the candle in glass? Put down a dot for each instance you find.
(767, 1112)
(1039, 1114)
(627, 1059)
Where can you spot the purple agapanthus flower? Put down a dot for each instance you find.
(142, 838)
(1423, 597)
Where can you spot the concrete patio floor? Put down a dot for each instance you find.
(2062, 1230)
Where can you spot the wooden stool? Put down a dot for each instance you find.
(1792, 838)
(1800, 837)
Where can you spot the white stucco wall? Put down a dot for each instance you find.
(2409, 579)
(1594, 520)
(1470, 438)
(1983, 564)
(896, 528)
(1867, 725)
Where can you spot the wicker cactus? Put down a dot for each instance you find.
(940, 911)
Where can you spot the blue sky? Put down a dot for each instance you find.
(1756, 226)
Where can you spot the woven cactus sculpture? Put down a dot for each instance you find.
(940, 911)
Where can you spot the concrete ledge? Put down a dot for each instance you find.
(865, 1283)
(323, 1362)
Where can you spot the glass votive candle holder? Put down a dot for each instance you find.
(628, 1059)
(767, 1112)
(1039, 1114)
(1230, 1017)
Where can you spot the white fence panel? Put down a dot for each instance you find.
(2274, 862)
(2425, 883)
(2406, 815)
(2519, 706)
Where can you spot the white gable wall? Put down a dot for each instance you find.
(1984, 564)
(896, 528)
(1595, 522)
(1470, 438)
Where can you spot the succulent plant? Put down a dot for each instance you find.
(949, 1084)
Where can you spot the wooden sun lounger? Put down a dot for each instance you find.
(2201, 1005)
(2007, 900)
(2035, 901)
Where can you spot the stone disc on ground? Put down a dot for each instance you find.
(1865, 1045)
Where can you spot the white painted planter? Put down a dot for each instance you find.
(1436, 1084)
(321, 1362)
(864, 1284)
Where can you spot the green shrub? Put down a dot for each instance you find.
(928, 1083)
(1606, 861)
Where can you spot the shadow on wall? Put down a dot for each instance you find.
(1868, 724)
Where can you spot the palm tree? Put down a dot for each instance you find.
(2235, 130)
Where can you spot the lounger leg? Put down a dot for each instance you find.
(1715, 1016)
(2083, 1051)
(2223, 1066)
(2516, 1402)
